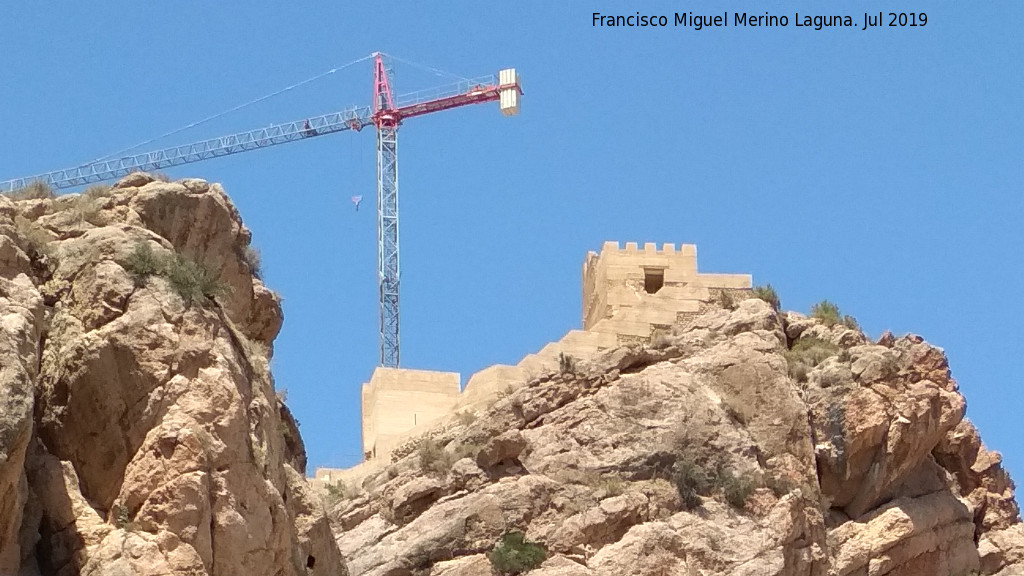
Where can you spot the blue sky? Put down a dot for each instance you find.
(880, 169)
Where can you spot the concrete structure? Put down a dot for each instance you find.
(396, 400)
(628, 294)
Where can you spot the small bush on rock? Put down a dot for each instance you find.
(807, 353)
(566, 363)
(827, 312)
(37, 239)
(465, 417)
(191, 280)
(338, 491)
(726, 300)
(691, 481)
(798, 372)
(814, 350)
(434, 459)
(97, 191)
(87, 209)
(514, 555)
(251, 257)
(142, 263)
(768, 294)
(612, 484)
(736, 489)
(33, 191)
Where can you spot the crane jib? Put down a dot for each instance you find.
(386, 115)
(352, 119)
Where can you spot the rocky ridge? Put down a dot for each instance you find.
(140, 433)
(139, 430)
(705, 452)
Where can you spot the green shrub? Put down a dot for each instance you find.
(726, 300)
(736, 489)
(36, 238)
(851, 323)
(468, 450)
(465, 417)
(827, 312)
(121, 517)
(191, 280)
(33, 191)
(251, 257)
(97, 191)
(779, 483)
(434, 459)
(86, 209)
(338, 491)
(798, 371)
(566, 363)
(691, 481)
(612, 484)
(814, 350)
(694, 479)
(142, 263)
(807, 353)
(514, 555)
(767, 293)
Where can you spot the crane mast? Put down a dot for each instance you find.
(388, 273)
(386, 114)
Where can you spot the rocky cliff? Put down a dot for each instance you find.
(744, 442)
(139, 430)
(140, 434)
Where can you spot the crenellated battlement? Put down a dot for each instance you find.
(612, 250)
(667, 248)
(631, 276)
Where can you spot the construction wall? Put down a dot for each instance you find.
(396, 400)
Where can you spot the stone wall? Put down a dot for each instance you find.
(396, 400)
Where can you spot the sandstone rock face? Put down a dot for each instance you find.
(709, 455)
(139, 430)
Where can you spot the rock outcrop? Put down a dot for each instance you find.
(140, 433)
(139, 430)
(747, 442)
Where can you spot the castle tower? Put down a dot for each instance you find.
(396, 401)
(631, 291)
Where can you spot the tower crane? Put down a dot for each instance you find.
(385, 114)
